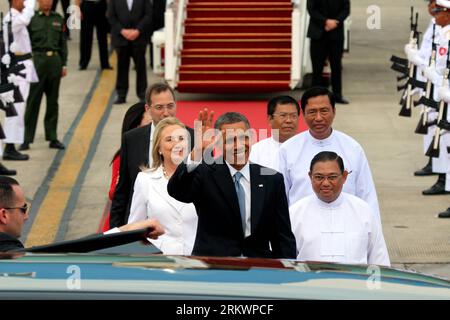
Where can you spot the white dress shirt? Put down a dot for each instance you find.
(266, 153)
(295, 159)
(130, 4)
(344, 231)
(179, 220)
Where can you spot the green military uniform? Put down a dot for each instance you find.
(49, 47)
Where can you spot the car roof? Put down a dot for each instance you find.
(158, 275)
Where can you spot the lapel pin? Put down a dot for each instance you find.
(260, 185)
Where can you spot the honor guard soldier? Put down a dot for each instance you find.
(49, 47)
(439, 74)
(18, 18)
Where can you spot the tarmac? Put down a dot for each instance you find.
(69, 188)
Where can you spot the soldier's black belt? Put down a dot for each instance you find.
(48, 53)
(22, 57)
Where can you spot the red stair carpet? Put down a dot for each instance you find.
(255, 111)
(236, 46)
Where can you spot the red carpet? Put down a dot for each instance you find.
(225, 40)
(255, 111)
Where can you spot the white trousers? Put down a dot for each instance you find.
(14, 127)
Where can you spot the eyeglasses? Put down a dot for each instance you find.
(284, 116)
(160, 107)
(321, 178)
(24, 209)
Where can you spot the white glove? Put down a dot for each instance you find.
(444, 94)
(7, 97)
(6, 59)
(13, 47)
(417, 91)
(12, 78)
(415, 58)
(410, 47)
(29, 4)
(432, 114)
(431, 74)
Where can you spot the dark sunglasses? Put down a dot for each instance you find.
(24, 209)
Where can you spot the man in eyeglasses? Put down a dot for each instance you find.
(282, 113)
(14, 213)
(318, 107)
(334, 226)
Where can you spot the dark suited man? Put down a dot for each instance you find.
(241, 211)
(93, 14)
(135, 149)
(159, 8)
(326, 31)
(130, 22)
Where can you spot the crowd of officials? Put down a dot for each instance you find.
(208, 190)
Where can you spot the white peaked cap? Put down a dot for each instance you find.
(443, 3)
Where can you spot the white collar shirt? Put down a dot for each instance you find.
(179, 219)
(130, 4)
(344, 231)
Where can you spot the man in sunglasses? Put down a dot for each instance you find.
(334, 226)
(14, 212)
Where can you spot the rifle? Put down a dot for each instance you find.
(412, 69)
(433, 150)
(413, 27)
(400, 68)
(422, 126)
(398, 60)
(5, 86)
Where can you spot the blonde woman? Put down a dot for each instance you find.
(150, 197)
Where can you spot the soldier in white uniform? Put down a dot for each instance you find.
(282, 113)
(20, 16)
(425, 51)
(435, 75)
(444, 90)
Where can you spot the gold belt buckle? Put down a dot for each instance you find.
(49, 53)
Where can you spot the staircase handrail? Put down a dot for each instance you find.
(297, 47)
(174, 29)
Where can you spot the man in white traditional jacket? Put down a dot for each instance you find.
(334, 226)
(19, 16)
(318, 108)
(282, 113)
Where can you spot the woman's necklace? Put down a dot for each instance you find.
(165, 172)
